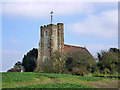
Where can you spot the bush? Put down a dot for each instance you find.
(108, 61)
(29, 60)
(17, 67)
(80, 63)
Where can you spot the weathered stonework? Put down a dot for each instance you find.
(52, 39)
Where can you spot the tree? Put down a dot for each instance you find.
(115, 50)
(79, 63)
(109, 61)
(29, 60)
(58, 62)
(17, 67)
(45, 66)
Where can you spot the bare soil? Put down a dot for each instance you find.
(96, 84)
(103, 84)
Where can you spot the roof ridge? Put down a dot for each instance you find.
(75, 46)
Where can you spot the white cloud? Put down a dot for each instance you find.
(40, 10)
(104, 25)
(10, 57)
(96, 48)
(7, 52)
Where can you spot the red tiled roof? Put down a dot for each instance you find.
(75, 48)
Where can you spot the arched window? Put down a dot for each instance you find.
(46, 33)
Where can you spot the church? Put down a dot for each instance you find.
(51, 40)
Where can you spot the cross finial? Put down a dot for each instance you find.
(51, 12)
(51, 16)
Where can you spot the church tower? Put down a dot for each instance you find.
(51, 40)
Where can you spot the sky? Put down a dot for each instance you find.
(93, 25)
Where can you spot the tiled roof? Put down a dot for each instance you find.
(75, 48)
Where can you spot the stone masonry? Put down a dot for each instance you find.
(52, 39)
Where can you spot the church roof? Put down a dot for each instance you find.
(75, 48)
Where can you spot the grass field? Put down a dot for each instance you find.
(45, 80)
(106, 75)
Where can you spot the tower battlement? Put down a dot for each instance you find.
(58, 24)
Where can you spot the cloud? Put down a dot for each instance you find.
(10, 57)
(103, 25)
(40, 10)
(7, 52)
(96, 48)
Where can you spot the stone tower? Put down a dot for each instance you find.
(51, 40)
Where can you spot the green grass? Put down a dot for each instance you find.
(41, 80)
(58, 85)
(51, 75)
(13, 77)
(85, 78)
(100, 74)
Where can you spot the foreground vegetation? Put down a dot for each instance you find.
(45, 80)
(58, 85)
(74, 70)
(74, 62)
(106, 75)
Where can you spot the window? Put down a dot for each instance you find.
(46, 33)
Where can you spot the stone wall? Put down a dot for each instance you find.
(51, 40)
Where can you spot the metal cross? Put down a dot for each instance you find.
(51, 16)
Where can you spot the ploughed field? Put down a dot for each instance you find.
(45, 80)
